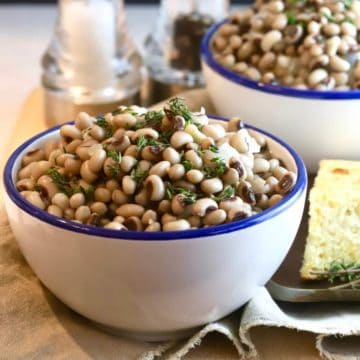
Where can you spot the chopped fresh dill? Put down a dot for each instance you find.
(214, 148)
(176, 106)
(187, 196)
(152, 119)
(138, 175)
(115, 155)
(187, 165)
(60, 180)
(215, 170)
(103, 123)
(227, 193)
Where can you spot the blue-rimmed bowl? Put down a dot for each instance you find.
(319, 124)
(155, 285)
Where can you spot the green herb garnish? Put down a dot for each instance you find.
(152, 119)
(115, 155)
(214, 148)
(216, 170)
(138, 175)
(187, 196)
(227, 193)
(176, 106)
(61, 181)
(338, 271)
(347, 3)
(142, 142)
(103, 123)
(291, 17)
(187, 165)
(329, 18)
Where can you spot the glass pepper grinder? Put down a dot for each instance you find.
(172, 50)
(90, 64)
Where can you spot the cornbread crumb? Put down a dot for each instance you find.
(334, 225)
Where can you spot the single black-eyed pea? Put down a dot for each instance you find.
(82, 213)
(149, 217)
(194, 176)
(97, 160)
(207, 142)
(195, 221)
(128, 185)
(195, 160)
(77, 200)
(286, 183)
(72, 165)
(25, 184)
(274, 199)
(212, 186)
(70, 132)
(113, 225)
(84, 121)
(171, 155)
(83, 151)
(146, 132)
(112, 184)
(98, 207)
(203, 205)
(69, 213)
(127, 210)
(39, 168)
(214, 131)
(85, 172)
(33, 155)
(180, 138)
(176, 172)
(131, 150)
(141, 197)
(144, 165)
(72, 146)
(119, 197)
(239, 213)
(262, 201)
(47, 186)
(97, 132)
(261, 165)
(176, 225)
(35, 199)
(102, 194)
(178, 204)
(279, 172)
(94, 219)
(231, 203)
(231, 176)
(185, 185)
(164, 206)
(156, 226)
(155, 187)
(160, 169)
(124, 120)
(235, 124)
(55, 210)
(119, 219)
(127, 163)
(25, 172)
(165, 218)
(133, 223)
(215, 217)
(152, 153)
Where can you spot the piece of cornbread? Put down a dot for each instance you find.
(334, 225)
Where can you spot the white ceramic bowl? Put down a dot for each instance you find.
(319, 124)
(154, 285)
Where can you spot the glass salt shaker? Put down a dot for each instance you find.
(172, 50)
(90, 64)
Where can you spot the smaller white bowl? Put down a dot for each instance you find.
(158, 285)
(319, 124)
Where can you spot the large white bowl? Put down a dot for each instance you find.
(154, 285)
(319, 124)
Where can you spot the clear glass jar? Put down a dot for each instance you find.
(90, 64)
(172, 50)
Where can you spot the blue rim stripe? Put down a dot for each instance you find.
(65, 224)
(208, 58)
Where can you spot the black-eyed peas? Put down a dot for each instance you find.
(300, 44)
(167, 170)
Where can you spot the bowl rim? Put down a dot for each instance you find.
(280, 90)
(70, 225)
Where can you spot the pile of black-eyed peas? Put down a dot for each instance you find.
(307, 44)
(164, 170)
